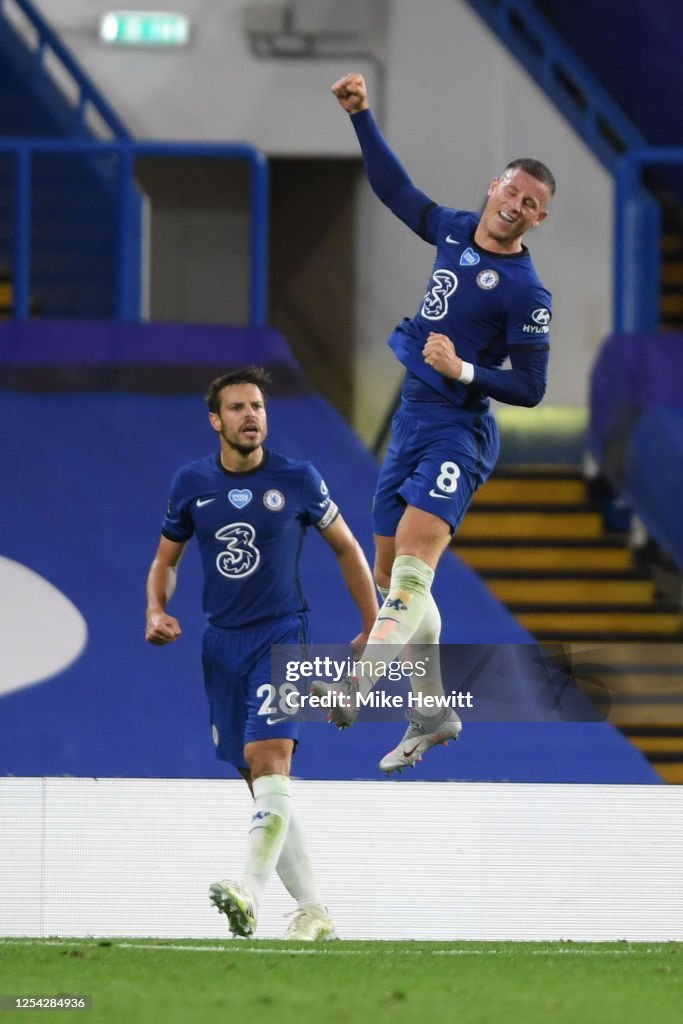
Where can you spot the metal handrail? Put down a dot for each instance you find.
(576, 92)
(614, 139)
(638, 239)
(23, 151)
(87, 92)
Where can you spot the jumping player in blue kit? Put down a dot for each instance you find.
(249, 508)
(484, 304)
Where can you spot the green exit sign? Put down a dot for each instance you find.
(144, 28)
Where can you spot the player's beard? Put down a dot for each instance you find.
(242, 448)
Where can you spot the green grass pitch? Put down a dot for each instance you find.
(136, 981)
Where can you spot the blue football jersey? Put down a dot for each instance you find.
(490, 305)
(249, 527)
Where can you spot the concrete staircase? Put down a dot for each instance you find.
(534, 536)
(671, 302)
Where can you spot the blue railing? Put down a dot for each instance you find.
(127, 289)
(48, 41)
(637, 274)
(599, 121)
(613, 139)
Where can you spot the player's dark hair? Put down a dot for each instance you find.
(247, 375)
(536, 169)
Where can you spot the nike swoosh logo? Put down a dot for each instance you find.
(274, 721)
(204, 501)
(435, 494)
(453, 241)
(409, 753)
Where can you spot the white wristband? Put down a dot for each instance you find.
(467, 373)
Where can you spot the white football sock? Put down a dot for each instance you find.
(424, 647)
(294, 867)
(428, 634)
(400, 615)
(429, 630)
(268, 831)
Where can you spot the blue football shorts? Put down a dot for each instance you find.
(243, 704)
(434, 464)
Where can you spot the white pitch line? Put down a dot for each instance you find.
(328, 949)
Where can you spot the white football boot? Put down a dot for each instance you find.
(234, 901)
(343, 711)
(422, 734)
(311, 924)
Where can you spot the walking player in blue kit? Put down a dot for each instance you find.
(249, 509)
(484, 304)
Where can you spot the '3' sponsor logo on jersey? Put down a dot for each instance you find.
(435, 305)
(241, 556)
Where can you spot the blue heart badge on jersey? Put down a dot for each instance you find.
(240, 499)
(469, 258)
